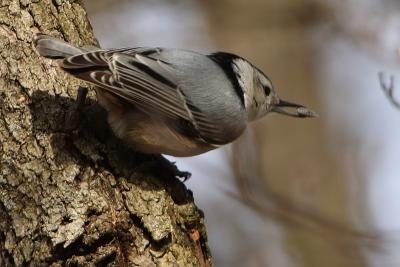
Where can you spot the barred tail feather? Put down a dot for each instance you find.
(51, 47)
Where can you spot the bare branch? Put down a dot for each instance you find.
(388, 88)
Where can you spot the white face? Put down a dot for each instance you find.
(259, 94)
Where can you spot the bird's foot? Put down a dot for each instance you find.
(175, 186)
(173, 169)
(73, 116)
(183, 175)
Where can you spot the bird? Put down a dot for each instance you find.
(172, 101)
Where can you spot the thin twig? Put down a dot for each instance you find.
(388, 88)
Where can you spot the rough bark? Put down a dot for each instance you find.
(78, 197)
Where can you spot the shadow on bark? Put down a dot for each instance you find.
(94, 143)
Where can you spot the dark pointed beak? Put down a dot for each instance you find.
(293, 110)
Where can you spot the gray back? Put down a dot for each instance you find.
(206, 85)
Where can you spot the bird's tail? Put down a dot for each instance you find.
(51, 47)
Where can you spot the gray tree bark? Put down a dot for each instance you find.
(77, 196)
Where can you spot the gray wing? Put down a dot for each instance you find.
(149, 84)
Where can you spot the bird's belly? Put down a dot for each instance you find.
(155, 137)
(160, 140)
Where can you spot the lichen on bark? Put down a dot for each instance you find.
(78, 197)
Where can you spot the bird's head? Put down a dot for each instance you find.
(260, 96)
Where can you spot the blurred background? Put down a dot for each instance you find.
(291, 192)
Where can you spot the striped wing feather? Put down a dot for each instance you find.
(146, 82)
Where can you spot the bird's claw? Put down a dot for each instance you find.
(73, 116)
(173, 169)
(183, 175)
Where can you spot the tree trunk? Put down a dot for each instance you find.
(76, 196)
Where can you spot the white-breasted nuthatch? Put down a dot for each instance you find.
(172, 101)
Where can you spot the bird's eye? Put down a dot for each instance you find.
(267, 90)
